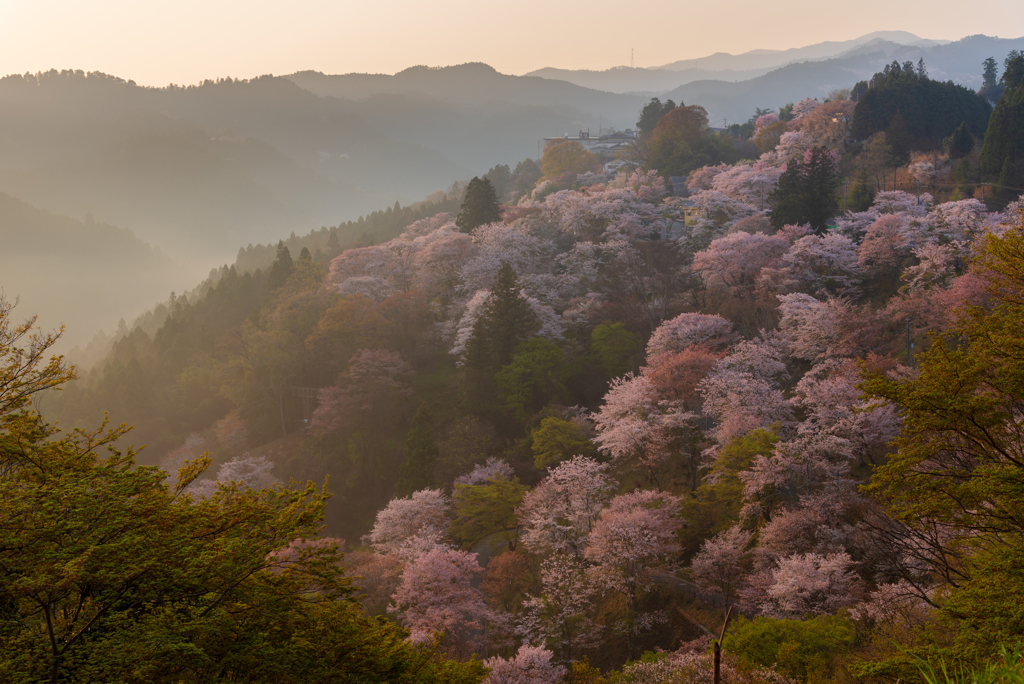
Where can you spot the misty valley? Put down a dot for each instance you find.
(698, 373)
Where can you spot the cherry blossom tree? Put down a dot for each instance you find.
(816, 263)
(377, 575)
(493, 469)
(410, 526)
(691, 329)
(804, 107)
(635, 533)
(720, 565)
(655, 416)
(732, 263)
(765, 120)
(530, 665)
(838, 421)
(812, 584)
(559, 513)
(251, 472)
(436, 595)
(815, 329)
(743, 393)
(561, 616)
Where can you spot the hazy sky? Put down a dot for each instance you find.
(156, 42)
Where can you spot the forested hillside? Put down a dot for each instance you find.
(562, 424)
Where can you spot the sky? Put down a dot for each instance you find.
(156, 42)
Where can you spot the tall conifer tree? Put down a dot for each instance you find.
(420, 454)
(480, 206)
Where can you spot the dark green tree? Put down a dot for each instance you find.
(1004, 138)
(898, 138)
(557, 440)
(480, 206)
(281, 268)
(525, 176)
(931, 110)
(304, 255)
(499, 177)
(506, 321)
(535, 377)
(960, 143)
(965, 178)
(652, 113)
(989, 74)
(421, 451)
(615, 348)
(862, 194)
(807, 191)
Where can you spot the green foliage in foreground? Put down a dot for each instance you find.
(805, 650)
(110, 574)
(1007, 669)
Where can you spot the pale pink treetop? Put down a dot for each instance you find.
(839, 420)
(703, 178)
(688, 330)
(765, 120)
(812, 584)
(825, 263)
(960, 220)
(251, 472)
(436, 595)
(428, 225)
(626, 420)
(559, 513)
(804, 107)
(900, 202)
(815, 329)
(635, 533)
(793, 145)
(719, 566)
(530, 665)
(332, 409)
(885, 243)
(733, 262)
(412, 525)
(561, 616)
(740, 402)
(493, 469)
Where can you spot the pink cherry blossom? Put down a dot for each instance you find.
(436, 595)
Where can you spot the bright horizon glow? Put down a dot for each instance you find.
(187, 41)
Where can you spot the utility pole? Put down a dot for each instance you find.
(845, 181)
(918, 193)
(717, 678)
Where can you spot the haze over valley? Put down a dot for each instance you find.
(404, 343)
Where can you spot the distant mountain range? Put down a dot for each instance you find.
(203, 170)
(959, 61)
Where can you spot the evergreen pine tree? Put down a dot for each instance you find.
(1004, 138)
(333, 244)
(304, 255)
(861, 195)
(282, 266)
(480, 206)
(960, 143)
(807, 191)
(899, 140)
(507, 320)
(417, 471)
